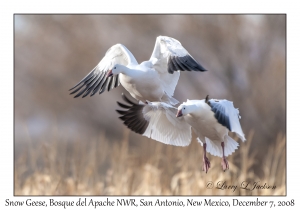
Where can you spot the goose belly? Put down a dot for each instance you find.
(143, 88)
(208, 127)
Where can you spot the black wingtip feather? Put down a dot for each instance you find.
(87, 77)
(220, 116)
(116, 81)
(132, 117)
(181, 63)
(171, 67)
(109, 84)
(127, 100)
(184, 63)
(123, 105)
(99, 84)
(96, 80)
(103, 87)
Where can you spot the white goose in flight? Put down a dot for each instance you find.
(153, 80)
(211, 120)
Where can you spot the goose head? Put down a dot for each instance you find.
(114, 70)
(183, 110)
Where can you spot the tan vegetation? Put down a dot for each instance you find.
(100, 167)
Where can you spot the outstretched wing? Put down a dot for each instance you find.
(96, 80)
(157, 121)
(227, 115)
(169, 57)
(169, 54)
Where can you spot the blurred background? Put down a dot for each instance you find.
(67, 146)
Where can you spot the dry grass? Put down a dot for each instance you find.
(105, 167)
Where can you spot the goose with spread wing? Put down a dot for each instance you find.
(152, 80)
(211, 120)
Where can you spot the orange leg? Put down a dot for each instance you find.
(206, 163)
(224, 162)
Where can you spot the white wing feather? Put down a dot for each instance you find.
(118, 54)
(234, 116)
(159, 58)
(164, 126)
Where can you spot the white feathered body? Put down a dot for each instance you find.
(208, 129)
(204, 123)
(145, 83)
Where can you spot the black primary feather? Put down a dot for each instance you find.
(219, 113)
(133, 116)
(95, 81)
(183, 63)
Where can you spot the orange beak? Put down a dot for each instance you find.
(179, 113)
(109, 73)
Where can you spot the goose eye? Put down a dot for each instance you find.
(115, 67)
(184, 108)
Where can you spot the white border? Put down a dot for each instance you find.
(8, 9)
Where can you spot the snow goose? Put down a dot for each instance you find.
(152, 80)
(211, 120)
